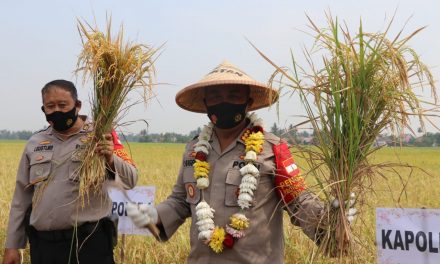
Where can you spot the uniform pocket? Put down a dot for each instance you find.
(40, 167)
(75, 165)
(192, 192)
(233, 180)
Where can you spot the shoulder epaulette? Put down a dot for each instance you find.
(271, 138)
(41, 130)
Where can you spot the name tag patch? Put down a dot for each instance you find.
(78, 146)
(240, 164)
(43, 148)
(188, 163)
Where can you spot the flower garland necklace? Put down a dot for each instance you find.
(218, 237)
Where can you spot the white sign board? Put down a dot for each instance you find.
(408, 236)
(139, 194)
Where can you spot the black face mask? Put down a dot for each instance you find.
(227, 115)
(62, 120)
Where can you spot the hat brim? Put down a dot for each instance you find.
(191, 97)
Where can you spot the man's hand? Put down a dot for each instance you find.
(105, 148)
(11, 256)
(142, 215)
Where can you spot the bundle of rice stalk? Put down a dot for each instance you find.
(116, 68)
(365, 86)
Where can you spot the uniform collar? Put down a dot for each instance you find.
(216, 145)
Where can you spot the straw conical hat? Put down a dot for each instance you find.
(191, 97)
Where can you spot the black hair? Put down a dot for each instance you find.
(63, 84)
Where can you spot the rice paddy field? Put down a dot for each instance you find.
(158, 165)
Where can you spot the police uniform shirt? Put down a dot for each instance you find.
(49, 160)
(263, 241)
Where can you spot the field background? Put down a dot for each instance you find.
(159, 163)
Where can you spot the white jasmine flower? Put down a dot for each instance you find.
(248, 178)
(203, 210)
(202, 149)
(249, 186)
(250, 156)
(202, 183)
(205, 235)
(203, 143)
(250, 169)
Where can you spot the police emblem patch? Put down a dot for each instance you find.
(191, 191)
(69, 121)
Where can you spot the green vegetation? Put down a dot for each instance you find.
(159, 164)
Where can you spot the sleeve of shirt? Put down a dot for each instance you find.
(125, 171)
(304, 208)
(306, 212)
(21, 202)
(174, 210)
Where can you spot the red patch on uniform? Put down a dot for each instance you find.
(290, 166)
(191, 191)
(191, 154)
(288, 181)
(118, 149)
(116, 142)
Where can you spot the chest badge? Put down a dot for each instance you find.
(45, 142)
(39, 157)
(191, 191)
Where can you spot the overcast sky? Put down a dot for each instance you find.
(40, 43)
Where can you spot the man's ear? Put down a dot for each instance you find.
(78, 105)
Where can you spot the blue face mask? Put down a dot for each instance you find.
(62, 121)
(227, 115)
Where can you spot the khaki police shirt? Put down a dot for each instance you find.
(263, 241)
(48, 156)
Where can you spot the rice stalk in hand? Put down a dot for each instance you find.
(116, 68)
(366, 85)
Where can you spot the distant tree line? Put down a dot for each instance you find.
(15, 135)
(290, 134)
(168, 137)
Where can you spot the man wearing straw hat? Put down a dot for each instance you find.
(45, 208)
(236, 179)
